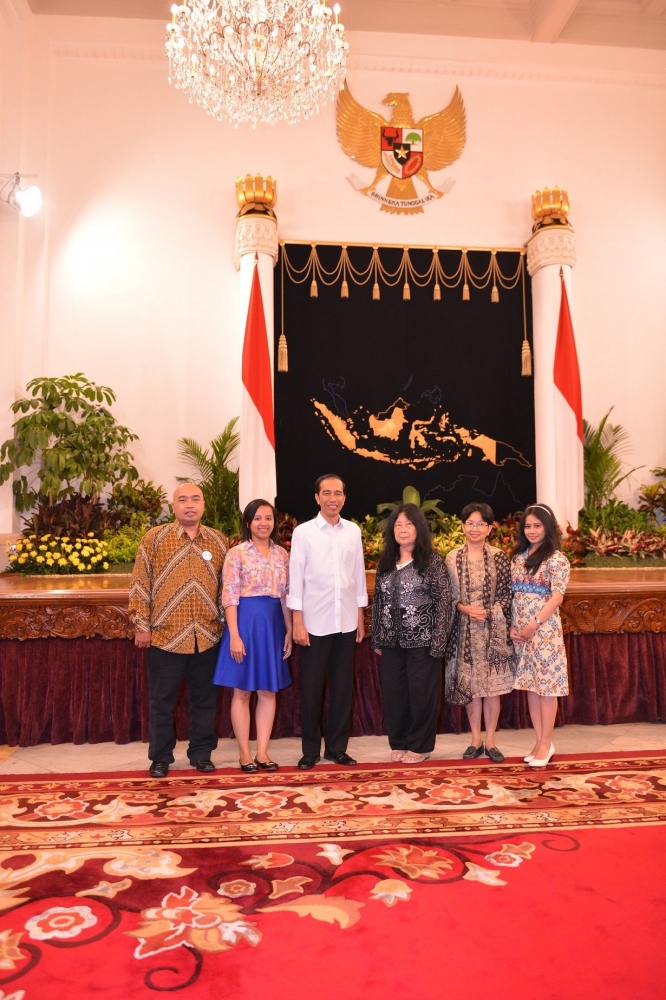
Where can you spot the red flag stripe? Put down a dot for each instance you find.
(256, 359)
(566, 373)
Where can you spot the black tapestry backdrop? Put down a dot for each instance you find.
(395, 393)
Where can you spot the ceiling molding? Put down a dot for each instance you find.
(94, 50)
(550, 18)
(13, 11)
(401, 64)
(619, 23)
(653, 8)
(549, 74)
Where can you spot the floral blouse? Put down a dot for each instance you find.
(248, 573)
(412, 609)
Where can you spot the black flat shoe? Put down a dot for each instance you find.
(158, 769)
(471, 752)
(266, 765)
(248, 768)
(306, 762)
(495, 755)
(340, 758)
(203, 765)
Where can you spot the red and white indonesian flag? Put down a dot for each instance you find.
(568, 419)
(257, 429)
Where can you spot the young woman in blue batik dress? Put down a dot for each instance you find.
(539, 578)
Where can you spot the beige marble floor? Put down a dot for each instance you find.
(66, 757)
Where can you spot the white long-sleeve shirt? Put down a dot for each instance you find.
(327, 575)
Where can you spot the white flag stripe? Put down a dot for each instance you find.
(570, 492)
(256, 456)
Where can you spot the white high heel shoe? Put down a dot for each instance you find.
(544, 760)
(529, 757)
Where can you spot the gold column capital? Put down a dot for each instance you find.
(256, 223)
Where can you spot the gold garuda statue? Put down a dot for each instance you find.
(401, 149)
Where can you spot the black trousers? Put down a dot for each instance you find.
(165, 674)
(332, 655)
(411, 681)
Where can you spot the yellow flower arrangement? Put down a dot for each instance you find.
(46, 554)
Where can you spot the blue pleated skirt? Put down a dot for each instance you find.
(261, 627)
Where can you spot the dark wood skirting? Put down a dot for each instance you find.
(597, 601)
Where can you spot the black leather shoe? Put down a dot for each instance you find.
(203, 765)
(305, 763)
(473, 751)
(495, 755)
(266, 765)
(158, 769)
(248, 768)
(339, 758)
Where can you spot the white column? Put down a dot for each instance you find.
(255, 235)
(550, 249)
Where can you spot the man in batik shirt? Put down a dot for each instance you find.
(174, 604)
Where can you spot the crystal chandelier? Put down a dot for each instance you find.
(257, 60)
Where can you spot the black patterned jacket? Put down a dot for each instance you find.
(411, 609)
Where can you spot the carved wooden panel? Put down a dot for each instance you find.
(581, 614)
(585, 613)
(62, 621)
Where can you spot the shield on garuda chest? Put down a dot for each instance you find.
(402, 150)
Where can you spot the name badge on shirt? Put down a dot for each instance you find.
(206, 555)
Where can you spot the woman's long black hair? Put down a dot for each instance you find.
(422, 548)
(552, 541)
(248, 518)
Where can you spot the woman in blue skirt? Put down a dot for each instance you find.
(257, 639)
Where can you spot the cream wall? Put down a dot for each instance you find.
(127, 274)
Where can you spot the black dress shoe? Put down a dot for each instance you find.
(248, 768)
(158, 769)
(473, 751)
(266, 765)
(495, 755)
(203, 765)
(339, 758)
(306, 762)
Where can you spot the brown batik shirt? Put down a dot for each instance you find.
(175, 588)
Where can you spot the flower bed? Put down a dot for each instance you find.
(42, 555)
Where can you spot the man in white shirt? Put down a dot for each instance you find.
(327, 594)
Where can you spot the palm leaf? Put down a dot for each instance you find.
(604, 466)
(197, 458)
(218, 483)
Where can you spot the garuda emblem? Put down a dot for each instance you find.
(401, 149)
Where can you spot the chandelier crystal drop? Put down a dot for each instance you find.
(257, 60)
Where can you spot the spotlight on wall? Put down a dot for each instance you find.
(27, 201)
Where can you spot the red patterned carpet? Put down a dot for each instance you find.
(370, 883)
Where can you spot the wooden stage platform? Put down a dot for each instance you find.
(69, 670)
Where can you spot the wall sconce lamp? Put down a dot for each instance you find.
(27, 201)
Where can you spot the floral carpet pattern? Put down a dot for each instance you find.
(131, 887)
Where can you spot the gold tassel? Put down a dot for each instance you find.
(526, 357)
(283, 354)
(437, 293)
(465, 292)
(406, 294)
(314, 291)
(344, 290)
(494, 295)
(375, 292)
